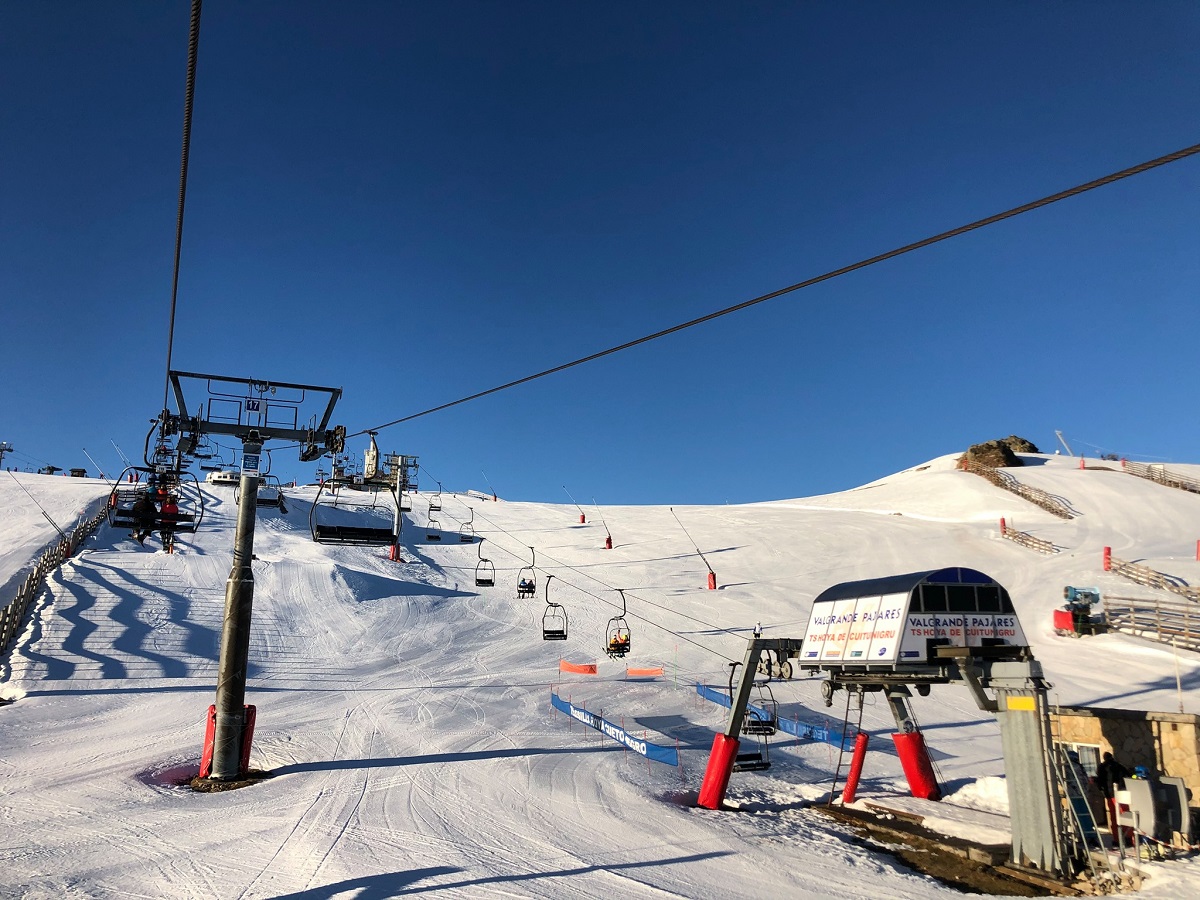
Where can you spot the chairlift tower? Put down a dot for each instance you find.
(5, 447)
(254, 412)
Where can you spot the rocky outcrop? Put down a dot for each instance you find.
(1001, 453)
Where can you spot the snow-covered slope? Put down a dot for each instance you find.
(406, 712)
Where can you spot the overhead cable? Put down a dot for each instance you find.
(862, 264)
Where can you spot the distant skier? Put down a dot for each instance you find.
(145, 516)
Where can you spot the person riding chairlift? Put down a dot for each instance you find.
(619, 642)
(170, 512)
(525, 586)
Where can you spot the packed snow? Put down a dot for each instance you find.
(405, 712)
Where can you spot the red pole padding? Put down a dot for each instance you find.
(608, 545)
(1003, 526)
(712, 581)
(856, 765)
(1108, 559)
(716, 776)
(582, 519)
(1198, 550)
(914, 757)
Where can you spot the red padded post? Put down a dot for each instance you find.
(716, 776)
(1003, 526)
(582, 519)
(856, 766)
(1108, 559)
(712, 581)
(914, 757)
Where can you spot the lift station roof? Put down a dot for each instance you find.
(899, 620)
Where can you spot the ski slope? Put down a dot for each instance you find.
(406, 715)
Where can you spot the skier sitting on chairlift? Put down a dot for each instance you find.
(525, 586)
(170, 509)
(145, 514)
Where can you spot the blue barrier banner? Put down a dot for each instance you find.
(802, 730)
(666, 755)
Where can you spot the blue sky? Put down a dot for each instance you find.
(416, 202)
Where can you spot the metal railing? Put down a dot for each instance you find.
(1159, 474)
(1167, 621)
(1036, 496)
(13, 613)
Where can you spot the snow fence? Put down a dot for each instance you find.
(667, 755)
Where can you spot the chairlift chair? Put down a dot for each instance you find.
(158, 484)
(762, 716)
(358, 535)
(433, 528)
(554, 619)
(617, 642)
(485, 571)
(527, 578)
(466, 531)
(435, 502)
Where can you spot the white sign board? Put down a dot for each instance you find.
(863, 630)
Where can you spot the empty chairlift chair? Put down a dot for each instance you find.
(361, 533)
(554, 619)
(466, 531)
(527, 579)
(760, 720)
(435, 502)
(433, 528)
(617, 637)
(485, 571)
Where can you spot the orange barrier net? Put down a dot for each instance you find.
(643, 673)
(577, 668)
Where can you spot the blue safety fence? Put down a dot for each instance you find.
(666, 755)
(803, 730)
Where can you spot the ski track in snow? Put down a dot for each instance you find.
(406, 712)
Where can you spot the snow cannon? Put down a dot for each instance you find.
(1075, 618)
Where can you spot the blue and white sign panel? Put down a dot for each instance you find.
(250, 463)
(666, 755)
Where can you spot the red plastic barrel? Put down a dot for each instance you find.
(914, 757)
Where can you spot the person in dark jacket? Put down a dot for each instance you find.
(145, 515)
(1111, 775)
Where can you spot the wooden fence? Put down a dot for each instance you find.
(13, 613)
(1149, 577)
(1161, 475)
(1025, 539)
(1167, 621)
(1002, 479)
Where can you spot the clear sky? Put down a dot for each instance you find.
(418, 201)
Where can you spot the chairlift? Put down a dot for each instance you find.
(554, 619)
(754, 725)
(435, 502)
(527, 578)
(359, 534)
(405, 502)
(762, 714)
(270, 492)
(618, 641)
(485, 571)
(466, 531)
(159, 484)
(433, 528)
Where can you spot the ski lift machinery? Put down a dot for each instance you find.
(759, 721)
(617, 642)
(485, 570)
(554, 619)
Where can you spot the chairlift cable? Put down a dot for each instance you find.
(188, 97)
(818, 279)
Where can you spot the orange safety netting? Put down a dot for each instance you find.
(577, 668)
(643, 673)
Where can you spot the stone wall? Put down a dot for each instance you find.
(1167, 743)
